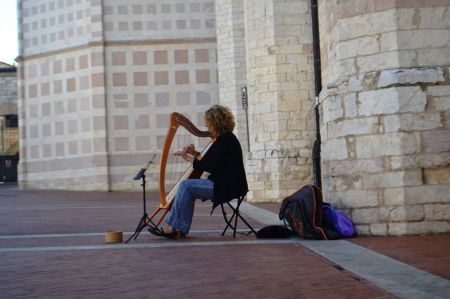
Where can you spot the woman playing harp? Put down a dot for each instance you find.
(223, 161)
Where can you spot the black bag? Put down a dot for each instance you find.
(274, 232)
(303, 212)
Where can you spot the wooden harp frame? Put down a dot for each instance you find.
(166, 197)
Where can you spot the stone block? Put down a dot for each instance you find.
(392, 179)
(332, 109)
(434, 176)
(386, 60)
(355, 199)
(378, 229)
(420, 121)
(346, 183)
(391, 123)
(366, 25)
(337, 86)
(345, 67)
(388, 41)
(427, 194)
(437, 141)
(440, 103)
(437, 212)
(350, 107)
(434, 17)
(422, 227)
(430, 56)
(344, 167)
(410, 76)
(365, 216)
(357, 126)
(364, 45)
(430, 160)
(392, 100)
(335, 149)
(390, 144)
(406, 213)
(438, 91)
(362, 230)
(397, 229)
(423, 39)
(393, 196)
(402, 162)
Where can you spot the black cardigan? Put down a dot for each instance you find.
(224, 162)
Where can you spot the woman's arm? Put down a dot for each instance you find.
(213, 156)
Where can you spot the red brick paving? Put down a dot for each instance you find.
(226, 271)
(429, 253)
(235, 271)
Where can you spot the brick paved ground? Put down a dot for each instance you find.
(429, 253)
(52, 246)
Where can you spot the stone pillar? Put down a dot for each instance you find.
(281, 97)
(232, 70)
(385, 113)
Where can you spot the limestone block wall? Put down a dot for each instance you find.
(281, 97)
(231, 61)
(385, 114)
(94, 106)
(8, 93)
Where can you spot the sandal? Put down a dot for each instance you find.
(173, 235)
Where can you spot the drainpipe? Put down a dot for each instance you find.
(318, 88)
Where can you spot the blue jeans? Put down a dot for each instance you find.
(182, 211)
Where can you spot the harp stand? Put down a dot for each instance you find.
(144, 219)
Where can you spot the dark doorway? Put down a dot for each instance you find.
(8, 166)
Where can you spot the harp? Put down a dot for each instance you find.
(181, 132)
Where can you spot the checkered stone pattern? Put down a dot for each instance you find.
(47, 25)
(94, 107)
(62, 117)
(160, 19)
(145, 85)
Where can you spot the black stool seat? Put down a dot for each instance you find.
(234, 217)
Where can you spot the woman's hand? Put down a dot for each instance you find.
(188, 153)
(190, 149)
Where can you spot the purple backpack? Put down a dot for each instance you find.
(337, 221)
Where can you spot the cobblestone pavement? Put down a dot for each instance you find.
(52, 246)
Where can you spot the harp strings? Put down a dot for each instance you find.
(176, 165)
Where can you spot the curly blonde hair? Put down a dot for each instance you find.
(220, 118)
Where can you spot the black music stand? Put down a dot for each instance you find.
(144, 219)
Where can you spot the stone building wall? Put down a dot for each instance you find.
(281, 97)
(99, 80)
(8, 108)
(385, 113)
(8, 89)
(231, 60)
